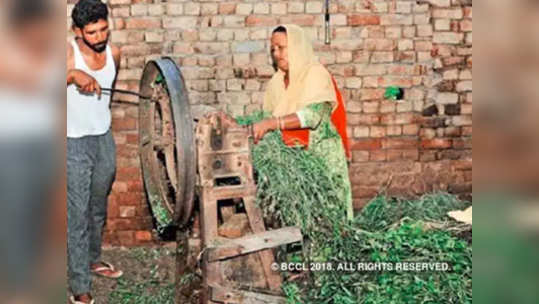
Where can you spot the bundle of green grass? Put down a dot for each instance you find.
(294, 189)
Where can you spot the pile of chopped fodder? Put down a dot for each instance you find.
(294, 189)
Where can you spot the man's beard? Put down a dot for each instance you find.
(98, 47)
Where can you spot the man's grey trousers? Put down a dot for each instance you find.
(91, 166)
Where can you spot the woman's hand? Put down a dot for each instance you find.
(261, 128)
(228, 121)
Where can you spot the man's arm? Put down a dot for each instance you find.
(70, 64)
(85, 83)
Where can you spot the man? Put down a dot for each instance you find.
(91, 64)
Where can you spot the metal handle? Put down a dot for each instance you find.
(328, 40)
(125, 92)
(328, 32)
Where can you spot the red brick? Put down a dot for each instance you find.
(127, 151)
(119, 186)
(131, 198)
(302, 20)
(411, 129)
(451, 154)
(377, 131)
(356, 20)
(366, 144)
(370, 94)
(405, 57)
(466, 25)
(135, 185)
(467, 12)
(399, 143)
(394, 131)
(119, 24)
(412, 154)
(462, 143)
(127, 211)
(363, 119)
(393, 155)
(452, 132)
(360, 156)
(360, 56)
(405, 118)
(227, 8)
(143, 23)
(132, 138)
(468, 176)
(380, 44)
(464, 164)
(119, 224)
(404, 82)
(112, 210)
(426, 156)
(364, 192)
(454, 26)
(146, 223)
(378, 155)
(129, 173)
(371, 107)
(387, 119)
(114, 2)
(144, 211)
(109, 238)
(124, 124)
(436, 143)
(143, 236)
(126, 238)
(449, 61)
(254, 20)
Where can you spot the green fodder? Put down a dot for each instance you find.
(295, 189)
(382, 212)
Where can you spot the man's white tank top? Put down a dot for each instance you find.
(87, 114)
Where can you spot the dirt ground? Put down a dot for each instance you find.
(149, 276)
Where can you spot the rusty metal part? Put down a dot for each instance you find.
(167, 143)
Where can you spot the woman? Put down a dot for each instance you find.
(305, 104)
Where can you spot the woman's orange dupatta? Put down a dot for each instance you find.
(338, 118)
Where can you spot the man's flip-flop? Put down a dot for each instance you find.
(107, 271)
(72, 301)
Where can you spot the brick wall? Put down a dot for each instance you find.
(420, 144)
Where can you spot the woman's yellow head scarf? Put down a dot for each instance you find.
(309, 83)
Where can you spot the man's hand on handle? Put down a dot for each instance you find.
(85, 83)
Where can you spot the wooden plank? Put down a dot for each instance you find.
(233, 296)
(266, 256)
(255, 242)
(229, 192)
(208, 221)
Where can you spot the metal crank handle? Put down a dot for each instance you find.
(125, 92)
(327, 25)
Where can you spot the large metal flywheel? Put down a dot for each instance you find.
(167, 145)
